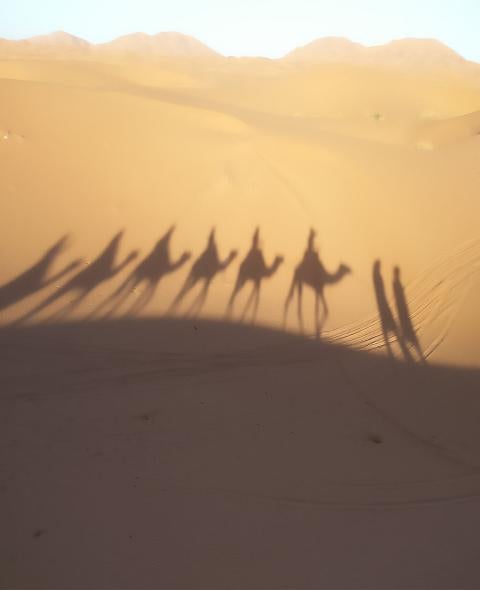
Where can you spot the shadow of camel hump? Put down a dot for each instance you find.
(407, 331)
(205, 268)
(100, 270)
(36, 278)
(311, 272)
(253, 269)
(150, 271)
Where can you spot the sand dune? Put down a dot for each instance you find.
(166, 223)
(51, 45)
(401, 52)
(336, 165)
(436, 133)
(160, 45)
(405, 53)
(139, 45)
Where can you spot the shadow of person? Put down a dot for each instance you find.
(407, 331)
(253, 269)
(35, 278)
(204, 269)
(100, 270)
(312, 273)
(150, 271)
(388, 323)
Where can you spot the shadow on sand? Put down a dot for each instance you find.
(403, 332)
(161, 429)
(205, 268)
(311, 272)
(143, 281)
(36, 277)
(83, 283)
(253, 269)
(149, 272)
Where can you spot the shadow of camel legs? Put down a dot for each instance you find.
(311, 272)
(252, 302)
(253, 269)
(151, 270)
(205, 268)
(198, 303)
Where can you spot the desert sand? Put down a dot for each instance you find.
(173, 414)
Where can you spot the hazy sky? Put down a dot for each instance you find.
(269, 28)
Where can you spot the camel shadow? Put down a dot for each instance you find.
(310, 272)
(35, 279)
(204, 269)
(253, 269)
(150, 271)
(83, 283)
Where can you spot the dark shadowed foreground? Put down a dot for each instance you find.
(163, 453)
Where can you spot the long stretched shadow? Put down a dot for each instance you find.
(407, 331)
(150, 270)
(253, 269)
(204, 269)
(100, 270)
(35, 278)
(388, 323)
(311, 272)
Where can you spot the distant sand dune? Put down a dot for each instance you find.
(448, 131)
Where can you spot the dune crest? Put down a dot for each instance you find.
(406, 53)
(169, 44)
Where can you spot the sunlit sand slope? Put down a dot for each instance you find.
(383, 163)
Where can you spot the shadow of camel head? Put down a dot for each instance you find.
(59, 246)
(184, 257)
(132, 256)
(344, 269)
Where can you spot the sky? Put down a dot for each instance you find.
(269, 28)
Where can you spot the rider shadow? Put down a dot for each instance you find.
(388, 323)
(310, 272)
(253, 269)
(35, 278)
(407, 330)
(150, 271)
(204, 269)
(83, 283)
